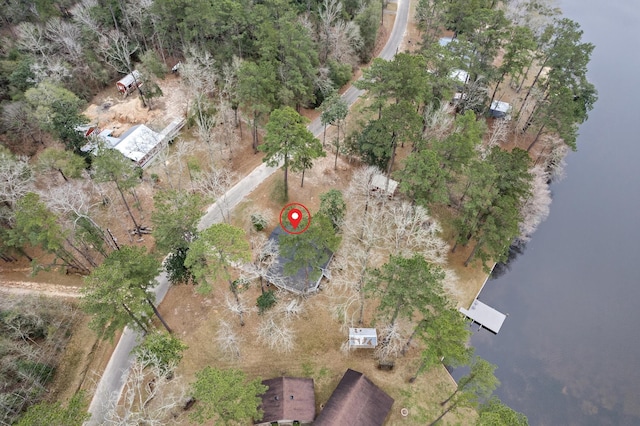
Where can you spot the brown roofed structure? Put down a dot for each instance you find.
(288, 399)
(355, 402)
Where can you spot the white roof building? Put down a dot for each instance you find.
(138, 143)
(363, 338)
(500, 109)
(380, 183)
(460, 75)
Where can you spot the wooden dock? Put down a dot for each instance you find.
(485, 316)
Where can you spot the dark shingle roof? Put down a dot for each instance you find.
(288, 399)
(355, 402)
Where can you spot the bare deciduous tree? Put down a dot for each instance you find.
(533, 14)
(66, 38)
(535, 209)
(339, 40)
(276, 333)
(438, 121)
(138, 13)
(205, 125)
(31, 37)
(409, 229)
(54, 70)
(16, 180)
(266, 255)
(81, 12)
(555, 161)
(200, 78)
(174, 161)
(116, 50)
(215, 184)
(148, 398)
(290, 308)
(228, 340)
(236, 306)
(394, 341)
(73, 200)
(499, 133)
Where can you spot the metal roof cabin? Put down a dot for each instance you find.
(129, 82)
(139, 143)
(287, 400)
(363, 338)
(357, 401)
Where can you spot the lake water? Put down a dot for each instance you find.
(569, 352)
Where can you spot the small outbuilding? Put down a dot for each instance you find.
(288, 400)
(500, 109)
(129, 82)
(363, 338)
(357, 401)
(383, 185)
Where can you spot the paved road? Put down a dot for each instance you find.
(112, 381)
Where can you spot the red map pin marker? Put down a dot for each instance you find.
(294, 216)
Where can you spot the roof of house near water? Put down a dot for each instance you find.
(288, 399)
(357, 401)
(304, 281)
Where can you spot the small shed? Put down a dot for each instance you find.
(287, 400)
(363, 338)
(500, 109)
(383, 185)
(357, 401)
(129, 82)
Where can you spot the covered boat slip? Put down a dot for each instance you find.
(485, 315)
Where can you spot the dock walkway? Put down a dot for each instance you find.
(485, 316)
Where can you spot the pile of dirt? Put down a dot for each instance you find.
(111, 110)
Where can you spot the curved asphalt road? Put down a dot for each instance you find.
(112, 381)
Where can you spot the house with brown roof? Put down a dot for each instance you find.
(288, 400)
(357, 401)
